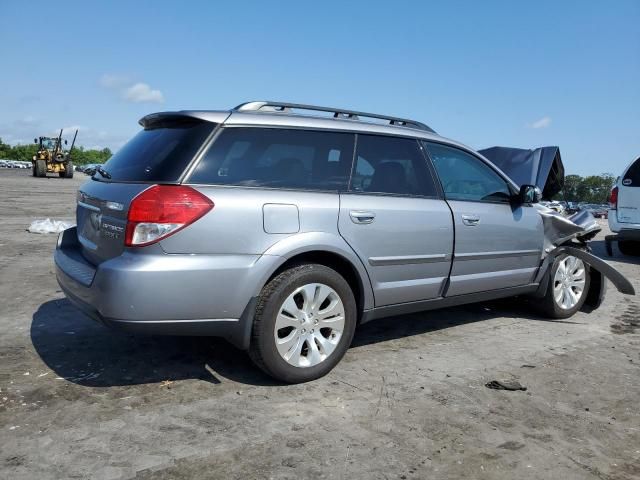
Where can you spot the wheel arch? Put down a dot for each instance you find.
(325, 249)
(314, 247)
(334, 261)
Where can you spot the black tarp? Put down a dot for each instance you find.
(541, 167)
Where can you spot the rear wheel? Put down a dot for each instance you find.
(304, 323)
(41, 168)
(567, 289)
(629, 247)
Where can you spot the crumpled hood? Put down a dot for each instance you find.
(541, 167)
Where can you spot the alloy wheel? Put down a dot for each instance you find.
(309, 325)
(569, 282)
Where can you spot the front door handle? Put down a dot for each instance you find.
(470, 220)
(362, 216)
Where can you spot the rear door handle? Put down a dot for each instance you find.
(362, 216)
(470, 220)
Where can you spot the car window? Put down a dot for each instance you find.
(391, 165)
(632, 176)
(159, 153)
(278, 158)
(465, 177)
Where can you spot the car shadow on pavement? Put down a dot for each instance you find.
(598, 249)
(516, 308)
(86, 353)
(89, 354)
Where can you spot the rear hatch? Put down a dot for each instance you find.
(629, 195)
(159, 154)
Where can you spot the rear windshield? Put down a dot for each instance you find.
(158, 154)
(278, 158)
(632, 177)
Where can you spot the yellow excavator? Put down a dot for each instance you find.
(52, 158)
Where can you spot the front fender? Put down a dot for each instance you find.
(619, 281)
(600, 271)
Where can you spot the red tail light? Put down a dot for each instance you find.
(163, 210)
(613, 199)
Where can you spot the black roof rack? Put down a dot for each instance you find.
(284, 107)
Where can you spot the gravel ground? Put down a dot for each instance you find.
(408, 401)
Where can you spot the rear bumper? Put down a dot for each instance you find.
(164, 294)
(621, 227)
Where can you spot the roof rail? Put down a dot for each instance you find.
(283, 107)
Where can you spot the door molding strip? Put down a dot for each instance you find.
(408, 259)
(490, 255)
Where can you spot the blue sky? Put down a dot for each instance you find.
(485, 73)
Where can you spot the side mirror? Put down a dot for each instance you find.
(529, 194)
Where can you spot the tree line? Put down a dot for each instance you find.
(590, 189)
(79, 156)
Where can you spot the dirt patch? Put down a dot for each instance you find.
(629, 321)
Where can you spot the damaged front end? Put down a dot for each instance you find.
(568, 235)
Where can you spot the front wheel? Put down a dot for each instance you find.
(304, 323)
(41, 168)
(567, 289)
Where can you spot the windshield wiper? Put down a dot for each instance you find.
(103, 172)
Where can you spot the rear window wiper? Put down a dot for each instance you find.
(103, 172)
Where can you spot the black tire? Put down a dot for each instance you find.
(629, 247)
(33, 169)
(41, 168)
(68, 171)
(548, 305)
(263, 349)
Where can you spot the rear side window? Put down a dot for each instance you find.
(391, 165)
(158, 154)
(277, 158)
(465, 177)
(632, 177)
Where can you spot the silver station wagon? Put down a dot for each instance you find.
(282, 227)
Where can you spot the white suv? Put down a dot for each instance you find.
(624, 211)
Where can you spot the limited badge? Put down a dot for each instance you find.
(626, 182)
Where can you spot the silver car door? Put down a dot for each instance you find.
(395, 220)
(498, 244)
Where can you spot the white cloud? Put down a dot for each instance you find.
(544, 122)
(142, 93)
(138, 92)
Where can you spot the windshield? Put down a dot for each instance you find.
(158, 154)
(48, 143)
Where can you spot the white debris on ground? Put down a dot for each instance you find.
(48, 226)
